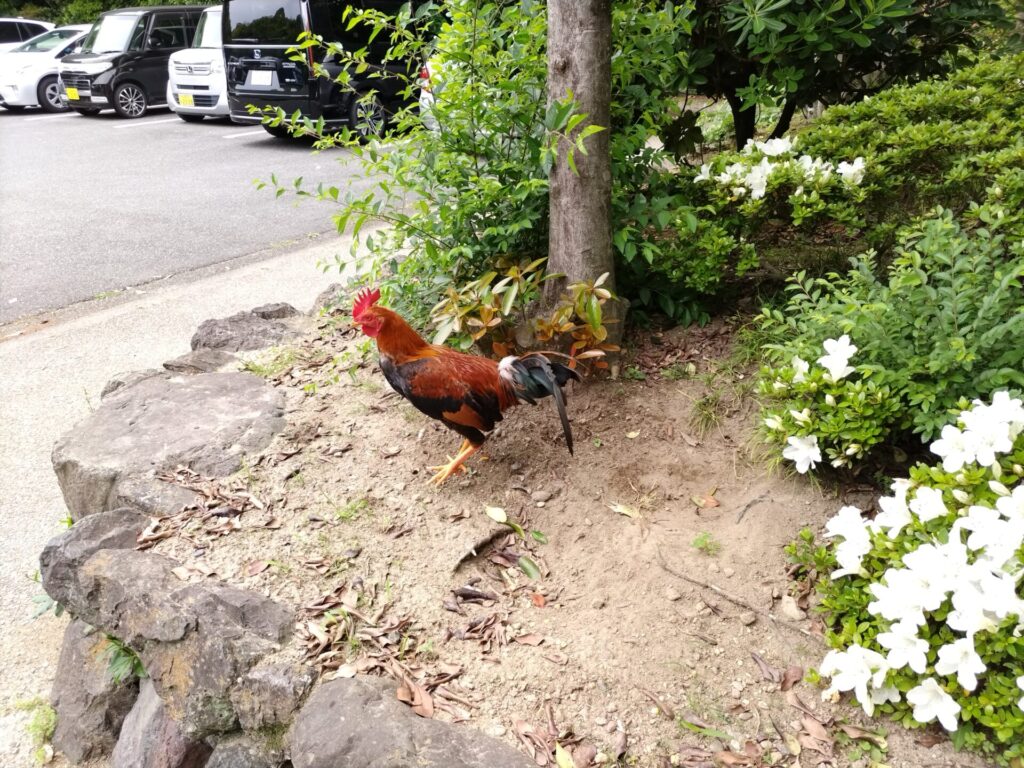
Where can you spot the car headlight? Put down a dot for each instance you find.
(93, 67)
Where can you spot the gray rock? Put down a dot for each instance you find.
(127, 379)
(150, 738)
(329, 299)
(207, 422)
(196, 641)
(359, 723)
(269, 693)
(244, 331)
(789, 609)
(276, 311)
(63, 554)
(245, 751)
(90, 706)
(201, 361)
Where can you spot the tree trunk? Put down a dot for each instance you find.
(785, 119)
(579, 60)
(744, 120)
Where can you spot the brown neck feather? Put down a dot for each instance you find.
(397, 339)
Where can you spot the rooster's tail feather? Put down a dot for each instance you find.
(533, 377)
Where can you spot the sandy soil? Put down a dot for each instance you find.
(659, 546)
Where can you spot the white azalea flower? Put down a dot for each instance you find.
(854, 670)
(906, 648)
(849, 523)
(739, 191)
(1004, 409)
(757, 179)
(801, 417)
(773, 422)
(996, 537)
(837, 357)
(930, 702)
(1020, 684)
(955, 447)
(884, 694)
(802, 451)
(776, 147)
(852, 173)
(1012, 507)
(895, 513)
(800, 369)
(731, 173)
(927, 504)
(902, 597)
(989, 431)
(705, 173)
(961, 658)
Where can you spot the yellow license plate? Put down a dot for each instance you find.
(186, 100)
(72, 93)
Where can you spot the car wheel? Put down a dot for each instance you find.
(190, 118)
(277, 131)
(130, 100)
(87, 112)
(366, 116)
(13, 108)
(48, 94)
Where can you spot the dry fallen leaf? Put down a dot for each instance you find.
(623, 509)
(768, 672)
(856, 732)
(707, 501)
(530, 639)
(417, 697)
(538, 599)
(633, 435)
(791, 677)
(256, 567)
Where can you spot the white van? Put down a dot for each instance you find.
(197, 86)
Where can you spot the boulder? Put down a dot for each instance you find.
(264, 750)
(63, 554)
(150, 738)
(276, 311)
(202, 361)
(246, 331)
(207, 422)
(329, 299)
(196, 641)
(127, 379)
(269, 693)
(90, 706)
(359, 723)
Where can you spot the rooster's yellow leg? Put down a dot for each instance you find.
(454, 465)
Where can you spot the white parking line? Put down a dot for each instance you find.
(49, 117)
(134, 124)
(257, 132)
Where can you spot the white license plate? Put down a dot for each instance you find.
(261, 77)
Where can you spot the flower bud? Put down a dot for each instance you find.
(1018, 470)
(998, 487)
(830, 400)
(962, 496)
(996, 469)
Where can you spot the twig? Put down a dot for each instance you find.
(748, 505)
(731, 598)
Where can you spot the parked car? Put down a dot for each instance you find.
(123, 61)
(260, 72)
(28, 73)
(196, 84)
(13, 32)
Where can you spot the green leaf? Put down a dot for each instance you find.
(527, 566)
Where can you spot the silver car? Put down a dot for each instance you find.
(196, 84)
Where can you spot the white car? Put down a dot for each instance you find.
(28, 73)
(13, 32)
(196, 83)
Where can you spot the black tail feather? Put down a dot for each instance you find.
(535, 377)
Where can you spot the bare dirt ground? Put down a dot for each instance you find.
(655, 633)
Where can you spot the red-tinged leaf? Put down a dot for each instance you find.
(530, 639)
(256, 567)
(791, 677)
(538, 599)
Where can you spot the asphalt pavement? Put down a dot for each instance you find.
(92, 205)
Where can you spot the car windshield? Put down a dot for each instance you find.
(267, 22)
(208, 32)
(111, 34)
(47, 41)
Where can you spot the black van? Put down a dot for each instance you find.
(123, 62)
(257, 34)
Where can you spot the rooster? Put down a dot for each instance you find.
(467, 393)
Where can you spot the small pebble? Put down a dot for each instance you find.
(789, 609)
(601, 758)
(672, 594)
(729, 572)
(599, 602)
(541, 495)
(496, 730)
(748, 618)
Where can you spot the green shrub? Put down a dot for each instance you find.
(946, 323)
(923, 604)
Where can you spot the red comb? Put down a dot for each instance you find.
(364, 300)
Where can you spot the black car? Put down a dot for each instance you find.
(257, 34)
(123, 62)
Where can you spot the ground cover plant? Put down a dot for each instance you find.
(923, 602)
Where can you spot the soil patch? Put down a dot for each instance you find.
(660, 627)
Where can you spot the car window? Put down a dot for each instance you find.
(47, 41)
(270, 22)
(114, 33)
(169, 30)
(28, 29)
(208, 33)
(9, 32)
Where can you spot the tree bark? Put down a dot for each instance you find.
(579, 60)
(744, 120)
(785, 119)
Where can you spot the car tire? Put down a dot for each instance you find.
(130, 100)
(13, 108)
(367, 117)
(277, 131)
(48, 94)
(190, 118)
(87, 112)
